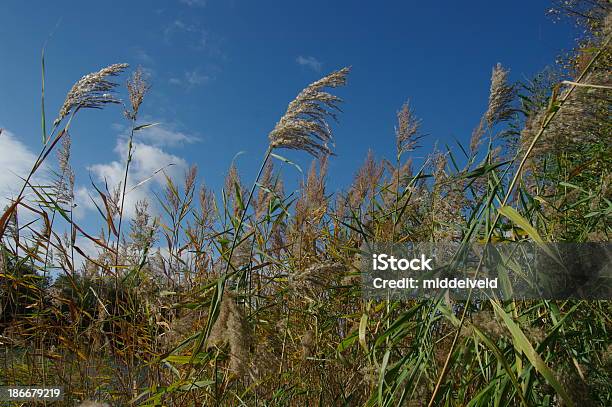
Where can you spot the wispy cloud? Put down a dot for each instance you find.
(147, 160)
(190, 79)
(160, 135)
(194, 3)
(193, 33)
(149, 155)
(194, 78)
(310, 62)
(145, 62)
(143, 56)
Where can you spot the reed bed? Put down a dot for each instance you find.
(251, 296)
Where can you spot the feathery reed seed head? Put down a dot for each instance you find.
(64, 184)
(308, 344)
(231, 327)
(137, 87)
(366, 181)
(91, 91)
(477, 134)
(500, 96)
(304, 125)
(63, 154)
(407, 130)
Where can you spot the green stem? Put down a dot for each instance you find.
(517, 175)
(244, 212)
(123, 193)
(214, 306)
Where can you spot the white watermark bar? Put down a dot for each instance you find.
(495, 270)
(31, 393)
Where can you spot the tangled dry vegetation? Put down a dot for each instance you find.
(251, 296)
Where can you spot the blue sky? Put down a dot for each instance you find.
(223, 72)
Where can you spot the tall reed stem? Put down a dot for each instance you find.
(515, 179)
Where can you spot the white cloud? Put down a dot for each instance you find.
(193, 33)
(147, 160)
(176, 26)
(159, 135)
(16, 160)
(143, 56)
(149, 156)
(194, 3)
(83, 202)
(190, 79)
(194, 78)
(310, 62)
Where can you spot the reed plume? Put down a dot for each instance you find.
(366, 181)
(64, 183)
(407, 132)
(143, 228)
(270, 187)
(137, 87)
(476, 139)
(308, 344)
(92, 91)
(234, 190)
(231, 328)
(304, 125)
(500, 97)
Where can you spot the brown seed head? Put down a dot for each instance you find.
(304, 125)
(407, 133)
(137, 87)
(477, 134)
(231, 327)
(500, 96)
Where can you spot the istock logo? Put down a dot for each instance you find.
(385, 262)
